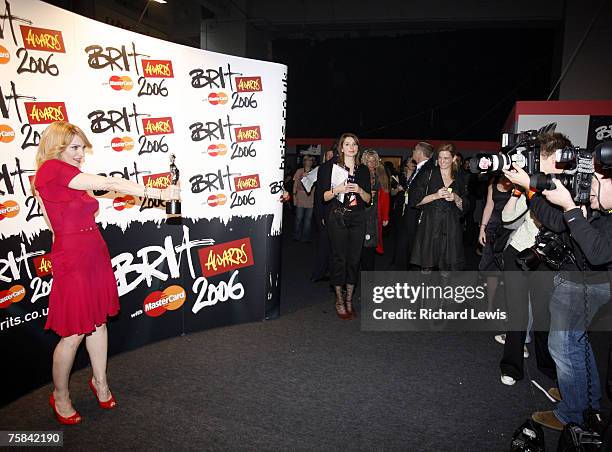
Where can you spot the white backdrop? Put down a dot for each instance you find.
(98, 74)
(140, 99)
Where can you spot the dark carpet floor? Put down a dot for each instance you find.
(306, 381)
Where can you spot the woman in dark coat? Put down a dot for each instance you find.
(442, 196)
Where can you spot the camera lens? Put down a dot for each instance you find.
(603, 154)
(541, 181)
(528, 259)
(565, 155)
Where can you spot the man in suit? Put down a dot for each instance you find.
(408, 222)
(321, 214)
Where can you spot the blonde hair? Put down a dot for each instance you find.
(308, 157)
(370, 153)
(54, 140)
(381, 173)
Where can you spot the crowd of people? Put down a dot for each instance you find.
(438, 210)
(430, 203)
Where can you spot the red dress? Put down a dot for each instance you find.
(84, 290)
(383, 215)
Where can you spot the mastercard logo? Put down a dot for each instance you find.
(5, 56)
(8, 209)
(122, 144)
(13, 295)
(216, 149)
(217, 98)
(124, 202)
(216, 200)
(159, 301)
(7, 134)
(119, 83)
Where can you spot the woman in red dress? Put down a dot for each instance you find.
(84, 290)
(377, 214)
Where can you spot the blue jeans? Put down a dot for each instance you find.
(303, 223)
(566, 342)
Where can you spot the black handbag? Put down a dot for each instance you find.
(529, 437)
(588, 438)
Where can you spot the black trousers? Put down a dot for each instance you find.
(404, 237)
(346, 234)
(368, 257)
(321, 263)
(521, 287)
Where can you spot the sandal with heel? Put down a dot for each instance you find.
(70, 420)
(107, 405)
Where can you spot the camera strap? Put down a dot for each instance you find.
(508, 223)
(587, 342)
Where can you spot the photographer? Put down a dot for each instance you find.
(523, 287)
(590, 239)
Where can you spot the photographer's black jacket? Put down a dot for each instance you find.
(591, 239)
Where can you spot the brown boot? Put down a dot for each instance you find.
(548, 419)
(555, 394)
(350, 289)
(340, 308)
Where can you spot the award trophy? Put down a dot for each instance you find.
(173, 207)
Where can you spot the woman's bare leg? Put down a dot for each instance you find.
(97, 347)
(63, 359)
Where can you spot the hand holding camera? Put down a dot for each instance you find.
(560, 196)
(518, 176)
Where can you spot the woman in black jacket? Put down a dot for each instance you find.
(346, 223)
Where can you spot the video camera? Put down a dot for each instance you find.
(522, 148)
(577, 175)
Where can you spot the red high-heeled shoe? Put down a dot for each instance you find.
(71, 420)
(109, 404)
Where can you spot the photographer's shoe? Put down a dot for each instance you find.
(555, 394)
(548, 419)
(500, 338)
(508, 380)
